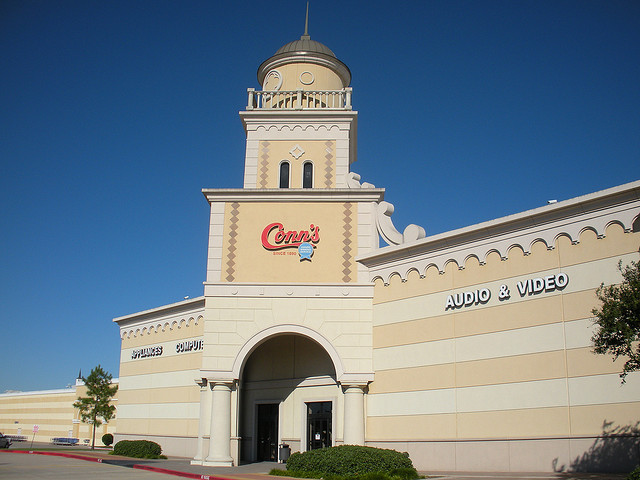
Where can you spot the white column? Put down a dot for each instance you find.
(220, 438)
(353, 414)
(197, 460)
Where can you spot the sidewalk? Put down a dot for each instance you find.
(181, 467)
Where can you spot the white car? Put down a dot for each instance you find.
(5, 442)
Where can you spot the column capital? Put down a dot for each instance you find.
(361, 378)
(201, 382)
(216, 382)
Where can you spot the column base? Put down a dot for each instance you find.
(220, 462)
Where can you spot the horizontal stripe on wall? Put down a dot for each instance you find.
(586, 276)
(539, 311)
(542, 338)
(591, 390)
(160, 411)
(186, 394)
(600, 389)
(520, 368)
(159, 380)
(172, 363)
(172, 427)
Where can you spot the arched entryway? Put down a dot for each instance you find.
(288, 393)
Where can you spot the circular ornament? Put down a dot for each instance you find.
(307, 78)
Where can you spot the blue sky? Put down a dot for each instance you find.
(115, 114)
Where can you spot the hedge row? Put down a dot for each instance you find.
(138, 449)
(348, 460)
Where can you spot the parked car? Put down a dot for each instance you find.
(4, 441)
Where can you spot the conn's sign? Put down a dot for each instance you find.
(276, 238)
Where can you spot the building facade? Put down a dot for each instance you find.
(468, 349)
(43, 415)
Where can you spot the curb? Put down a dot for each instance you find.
(177, 473)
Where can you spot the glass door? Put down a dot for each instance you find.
(318, 425)
(267, 432)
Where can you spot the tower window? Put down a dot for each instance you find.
(284, 175)
(307, 175)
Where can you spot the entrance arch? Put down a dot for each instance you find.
(263, 335)
(288, 393)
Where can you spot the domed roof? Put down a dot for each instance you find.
(305, 50)
(305, 44)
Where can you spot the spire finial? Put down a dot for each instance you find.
(306, 26)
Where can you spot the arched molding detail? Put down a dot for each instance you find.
(325, 128)
(489, 252)
(264, 335)
(413, 269)
(502, 248)
(549, 244)
(468, 258)
(518, 247)
(157, 327)
(619, 224)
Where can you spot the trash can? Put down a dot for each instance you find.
(284, 452)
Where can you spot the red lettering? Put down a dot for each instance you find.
(265, 236)
(290, 239)
(316, 234)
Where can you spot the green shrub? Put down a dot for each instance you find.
(138, 449)
(107, 439)
(635, 475)
(351, 460)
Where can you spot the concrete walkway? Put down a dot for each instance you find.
(181, 467)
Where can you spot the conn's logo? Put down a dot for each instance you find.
(275, 238)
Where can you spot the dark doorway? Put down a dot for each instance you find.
(318, 425)
(267, 432)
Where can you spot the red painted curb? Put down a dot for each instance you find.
(198, 476)
(177, 473)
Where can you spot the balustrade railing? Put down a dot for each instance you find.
(299, 99)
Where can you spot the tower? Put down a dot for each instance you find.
(288, 310)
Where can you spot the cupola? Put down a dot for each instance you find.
(303, 64)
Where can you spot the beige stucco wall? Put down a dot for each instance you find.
(321, 153)
(246, 260)
(52, 411)
(158, 398)
(304, 76)
(516, 368)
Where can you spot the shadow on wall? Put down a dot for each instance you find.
(616, 450)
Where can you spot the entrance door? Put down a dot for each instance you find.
(318, 425)
(267, 432)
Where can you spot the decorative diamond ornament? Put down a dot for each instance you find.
(297, 151)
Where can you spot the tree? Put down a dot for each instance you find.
(96, 407)
(618, 319)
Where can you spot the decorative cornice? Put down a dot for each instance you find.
(293, 195)
(292, 290)
(159, 319)
(300, 119)
(170, 309)
(569, 218)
